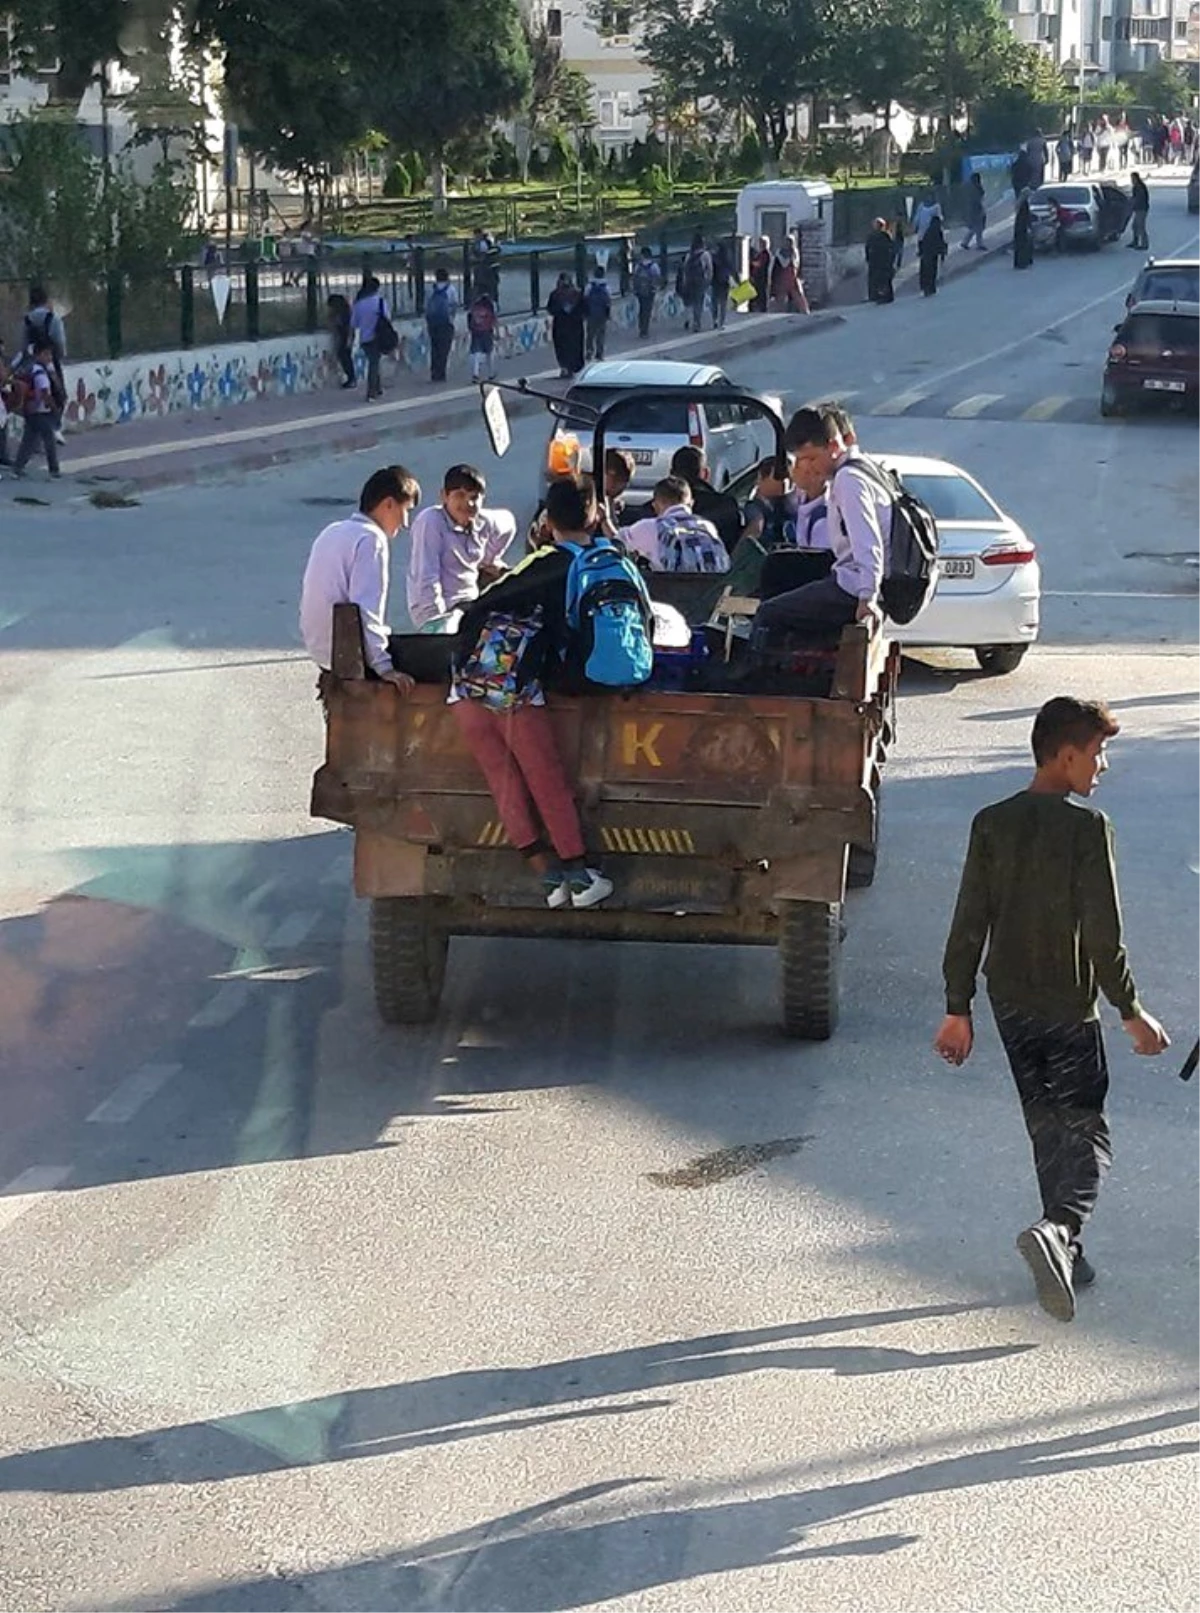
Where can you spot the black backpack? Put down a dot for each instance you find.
(910, 569)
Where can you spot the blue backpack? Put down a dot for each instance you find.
(609, 615)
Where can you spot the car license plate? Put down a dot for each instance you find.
(1165, 386)
(643, 456)
(956, 568)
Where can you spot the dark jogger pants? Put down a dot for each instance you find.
(1062, 1079)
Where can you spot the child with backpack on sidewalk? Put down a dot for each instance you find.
(483, 323)
(1039, 890)
(597, 307)
(38, 397)
(515, 637)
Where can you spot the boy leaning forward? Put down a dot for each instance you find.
(1039, 890)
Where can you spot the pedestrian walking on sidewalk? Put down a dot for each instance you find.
(43, 323)
(760, 275)
(1023, 235)
(899, 234)
(1141, 211)
(722, 279)
(932, 254)
(338, 318)
(597, 302)
(1104, 143)
(1064, 150)
(976, 213)
(879, 252)
(1087, 148)
(370, 307)
(647, 278)
(39, 404)
(1039, 892)
(483, 322)
(565, 307)
(787, 288)
(441, 305)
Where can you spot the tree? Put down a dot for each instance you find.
(82, 34)
(877, 57)
(560, 96)
(1163, 89)
(436, 71)
(756, 57)
(301, 109)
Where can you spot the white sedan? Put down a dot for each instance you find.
(988, 593)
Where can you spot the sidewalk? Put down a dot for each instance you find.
(177, 449)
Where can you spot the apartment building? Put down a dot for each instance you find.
(599, 41)
(1111, 38)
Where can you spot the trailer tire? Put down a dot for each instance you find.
(862, 861)
(809, 943)
(408, 959)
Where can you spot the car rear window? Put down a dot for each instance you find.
(1169, 285)
(951, 498)
(643, 417)
(1068, 193)
(1152, 333)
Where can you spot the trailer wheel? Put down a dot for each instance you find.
(861, 863)
(408, 959)
(809, 939)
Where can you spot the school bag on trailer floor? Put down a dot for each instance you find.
(609, 615)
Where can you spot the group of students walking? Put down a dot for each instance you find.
(32, 387)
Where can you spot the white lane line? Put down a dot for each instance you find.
(133, 1092)
(226, 1003)
(970, 407)
(1063, 319)
(27, 1190)
(1187, 597)
(1046, 408)
(901, 403)
(290, 931)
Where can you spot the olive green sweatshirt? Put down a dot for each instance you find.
(1040, 890)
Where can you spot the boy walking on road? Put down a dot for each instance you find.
(1039, 889)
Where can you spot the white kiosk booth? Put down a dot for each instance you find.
(778, 208)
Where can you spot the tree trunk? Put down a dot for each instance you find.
(437, 182)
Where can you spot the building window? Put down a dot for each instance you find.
(5, 52)
(1181, 27)
(554, 22)
(615, 21)
(615, 109)
(1106, 29)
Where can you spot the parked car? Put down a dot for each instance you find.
(988, 592)
(1193, 188)
(1166, 280)
(1154, 357)
(653, 430)
(1088, 214)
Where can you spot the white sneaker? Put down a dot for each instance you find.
(558, 895)
(60, 438)
(589, 888)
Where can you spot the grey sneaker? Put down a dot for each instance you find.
(558, 891)
(1047, 1250)
(1083, 1273)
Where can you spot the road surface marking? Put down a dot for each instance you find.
(901, 403)
(1122, 593)
(970, 407)
(133, 1092)
(28, 1190)
(224, 1005)
(1046, 408)
(290, 931)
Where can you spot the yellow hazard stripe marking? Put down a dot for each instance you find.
(663, 842)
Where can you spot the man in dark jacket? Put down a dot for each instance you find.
(719, 508)
(1140, 240)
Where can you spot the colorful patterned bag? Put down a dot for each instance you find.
(492, 670)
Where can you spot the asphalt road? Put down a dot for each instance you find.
(301, 1313)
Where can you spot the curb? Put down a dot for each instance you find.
(417, 417)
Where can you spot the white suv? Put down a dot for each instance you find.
(651, 431)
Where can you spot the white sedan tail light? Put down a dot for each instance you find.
(1008, 554)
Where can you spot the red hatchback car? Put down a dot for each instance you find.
(1154, 357)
